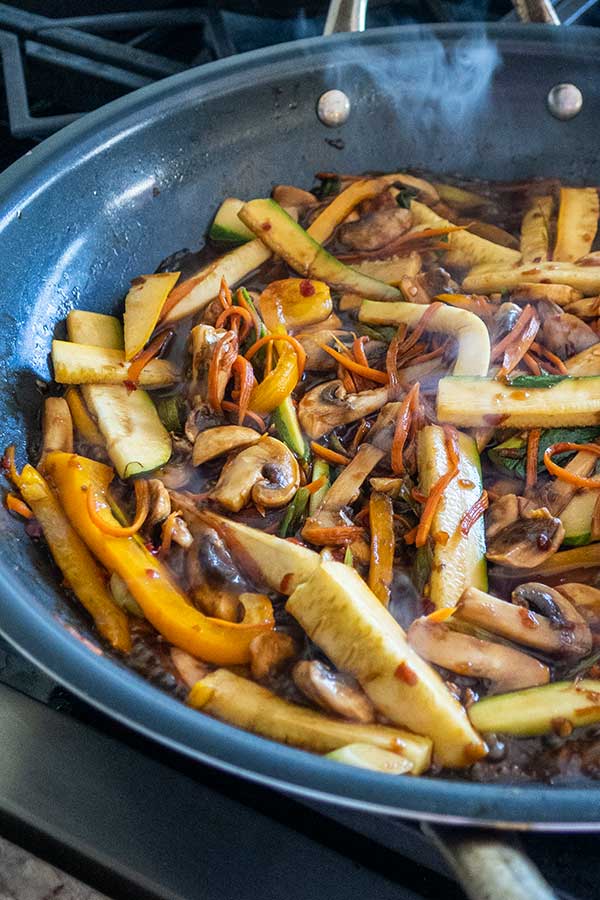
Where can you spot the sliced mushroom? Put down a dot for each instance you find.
(200, 418)
(335, 693)
(189, 668)
(346, 487)
(587, 308)
(577, 638)
(382, 432)
(269, 652)
(222, 439)
(215, 583)
(507, 669)
(414, 291)
(267, 472)
(565, 335)
(204, 341)
(376, 230)
(317, 359)
(586, 600)
(289, 196)
(520, 624)
(558, 493)
(160, 502)
(519, 535)
(328, 405)
(437, 281)
(181, 534)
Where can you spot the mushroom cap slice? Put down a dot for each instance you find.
(332, 691)
(507, 669)
(222, 439)
(328, 405)
(267, 472)
(519, 536)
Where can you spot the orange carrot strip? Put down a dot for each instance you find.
(405, 414)
(338, 459)
(441, 615)
(167, 530)
(245, 381)
(224, 295)
(184, 288)
(564, 475)
(241, 301)
(213, 373)
(228, 406)
(436, 493)
(420, 327)
(273, 338)
(314, 486)
(141, 360)
(142, 498)
(522, 337)
(239, 312)
(551, 357)
(364, 371)
(15, 504)
(509, 339)
(475, 512)
(533, 444)
(358, 349)
(532, 363)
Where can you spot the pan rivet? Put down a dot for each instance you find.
(565, 101)
(333, 108)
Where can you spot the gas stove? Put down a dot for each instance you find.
(129, 817)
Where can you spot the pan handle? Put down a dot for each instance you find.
(345, 15)
(487, 866)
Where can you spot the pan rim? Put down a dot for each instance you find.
(129, 699)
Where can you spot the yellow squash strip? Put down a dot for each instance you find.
(464, 249)
(486, 279)
(254, 708)
(294, 303)
(143, 305)
(585, 363)
(85, 425)
(80, 570)
(84, 364)
(577, 223)
(326, 223)
(458, 560)
(163, 603)
(347, 621)
(535, 230)
(381, 524)
(473, 352)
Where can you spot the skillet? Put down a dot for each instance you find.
(112, 194)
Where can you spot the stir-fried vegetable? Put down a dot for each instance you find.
(397, 402)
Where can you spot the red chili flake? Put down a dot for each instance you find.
(130, 385)
(307, 288)
(285, 583)
(152, 573)
(406, 674)
(151, 548)
(266, 226)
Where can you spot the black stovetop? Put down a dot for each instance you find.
(126, 816)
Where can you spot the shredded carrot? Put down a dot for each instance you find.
(474, 513)
(142, 498)
(15, 504)
(358, 349)
(347, 380)
(425, 357)
(315, 486)
(436, 493)
(8, 464)
(595, 529)
(168, 527)
(348, 363)
(532, 363)
(533, 445)
(242, 314)
(331, 534)
(244, 383)
(441, 615)
(418, 496)
(420, 327)
(224, 295)
(228, 406)
(411, 536)
(141, 360)
(391, 362)
(513, 347)
(563, 474)
(551, 357)
(225, 348)
(186, 287)
(338, 459)
(409, 404)
(410, 240)
(361, 433)
(241, 301)
(274, 338)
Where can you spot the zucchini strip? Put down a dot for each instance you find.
(473, 356)
(535, 710)
(475, 402)
(254, 708)
(486, 279)
(85, 364)
(464, 249)
(535, 236)
(577, 223)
